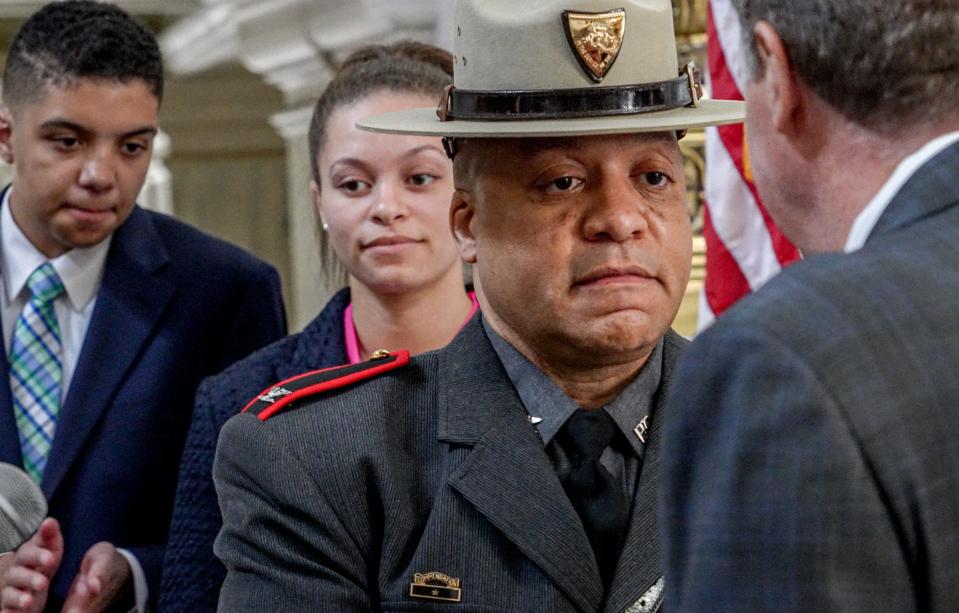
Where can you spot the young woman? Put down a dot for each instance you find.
(383, 205)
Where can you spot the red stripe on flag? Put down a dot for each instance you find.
(725, 283)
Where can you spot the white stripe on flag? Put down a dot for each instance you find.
(729, 31)
(705, 316)
(736, 218)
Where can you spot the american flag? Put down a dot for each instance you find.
(744, 249)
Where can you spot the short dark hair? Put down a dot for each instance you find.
(403, 67)
(886, 65)
(79, 39)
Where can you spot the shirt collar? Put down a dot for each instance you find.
(868, 218)
(80, 269)
(549, 407)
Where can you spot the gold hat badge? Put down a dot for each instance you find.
(595, 39)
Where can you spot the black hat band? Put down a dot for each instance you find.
(572, 103)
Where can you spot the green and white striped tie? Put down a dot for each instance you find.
(36, 370)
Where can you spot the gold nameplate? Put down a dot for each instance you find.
(435, 586)
(596, 39)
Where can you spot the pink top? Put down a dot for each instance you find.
(353, 342)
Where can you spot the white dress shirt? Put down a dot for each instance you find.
(81, 272)
(868, 218)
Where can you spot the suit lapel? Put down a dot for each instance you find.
(930, 190)
(9, 433)
(507, 477)
(131, 299)
(639, 567)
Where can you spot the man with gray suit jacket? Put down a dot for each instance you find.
(813, 462)
(515, 469)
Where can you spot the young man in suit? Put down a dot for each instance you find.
(813, 461)
(514, 469)
(111, 314)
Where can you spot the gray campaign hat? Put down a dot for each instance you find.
(564, 68)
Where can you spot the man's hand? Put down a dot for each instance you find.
(26, 574)
(104, 579)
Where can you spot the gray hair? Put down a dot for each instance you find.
(884, 64)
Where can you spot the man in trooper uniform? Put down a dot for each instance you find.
(514, 469)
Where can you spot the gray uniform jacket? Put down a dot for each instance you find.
(813, 458)
(336, 504)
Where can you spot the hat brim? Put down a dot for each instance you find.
(425, 122)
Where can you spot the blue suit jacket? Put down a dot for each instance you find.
(192, 575)
(175, 305)
(812, 460)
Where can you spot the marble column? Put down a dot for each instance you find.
(311, 288)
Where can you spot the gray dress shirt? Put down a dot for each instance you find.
(549, 408)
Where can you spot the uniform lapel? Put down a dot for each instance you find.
(507, 477)
(130, 301)
(639, 568)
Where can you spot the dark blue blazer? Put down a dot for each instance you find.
(175, 305)
(192, 575)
